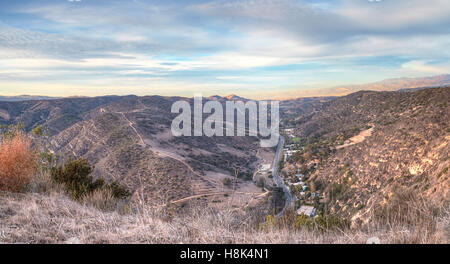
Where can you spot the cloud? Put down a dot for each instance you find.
(425, 67)
(225, 44)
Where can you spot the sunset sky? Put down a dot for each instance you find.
(256, 49)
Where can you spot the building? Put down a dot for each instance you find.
(288, 147)
(288, 153)
(307, 210)
(289, 132)
(265, 167)
(315, 194)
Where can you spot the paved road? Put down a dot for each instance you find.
(276, 176)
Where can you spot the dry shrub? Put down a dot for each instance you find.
(407, 210)
(105, 200)
(42, 183)
(18, 163)
(406, 207)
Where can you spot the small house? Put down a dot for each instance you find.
(307, 210)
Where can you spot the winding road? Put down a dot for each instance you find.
(278, 180)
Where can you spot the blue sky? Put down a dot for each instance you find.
(258, 49)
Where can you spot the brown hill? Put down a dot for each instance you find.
(404, 149)
(128, 139)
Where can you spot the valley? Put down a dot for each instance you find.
(341, 156)
(128, 140)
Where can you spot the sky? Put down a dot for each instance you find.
(256, 49)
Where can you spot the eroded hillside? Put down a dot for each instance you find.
(406, 150)
(128, 139)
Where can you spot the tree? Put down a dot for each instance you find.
(76, 178)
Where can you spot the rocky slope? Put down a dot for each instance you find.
(128, 139)
(407, 149)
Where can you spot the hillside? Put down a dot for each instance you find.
(128, 139)
(401, 149)
(378, 159)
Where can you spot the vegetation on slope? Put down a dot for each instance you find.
(407, 152)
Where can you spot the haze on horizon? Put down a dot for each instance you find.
(256, 49)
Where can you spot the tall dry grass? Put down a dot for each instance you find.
(55, 218)
(18, 162)
(412, 217)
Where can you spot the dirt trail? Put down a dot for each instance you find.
(175, 157)
(131, 124)
(163, 153)
(217, 193)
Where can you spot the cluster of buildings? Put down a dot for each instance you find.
(288, 153)
(289, 132)
(304, 209)
(290, 150)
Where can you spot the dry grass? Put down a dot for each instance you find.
(103, 199)
(413, 218)
(18, 163)
(36, 218)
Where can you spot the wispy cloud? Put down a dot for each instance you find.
(237, 46)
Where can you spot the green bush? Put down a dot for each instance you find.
(322, 222)
(227, 181)
(75, 177)
(118, 191)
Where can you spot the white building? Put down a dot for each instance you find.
(265, 167)
(307, 210)
(315, 194)
(288, 153)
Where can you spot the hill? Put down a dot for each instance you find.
(128, 139)
(24, 98)
(365, 150)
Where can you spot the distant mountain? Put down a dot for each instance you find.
(393, 84)
(25, 98)
(231, 97)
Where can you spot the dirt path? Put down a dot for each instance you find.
(175, 157)
(217, 193)
(131, 124)
(163, 153)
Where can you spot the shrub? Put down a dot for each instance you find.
(227, 182)
(117, 190)
(105, 200)
(76, 178)
(18, 161)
